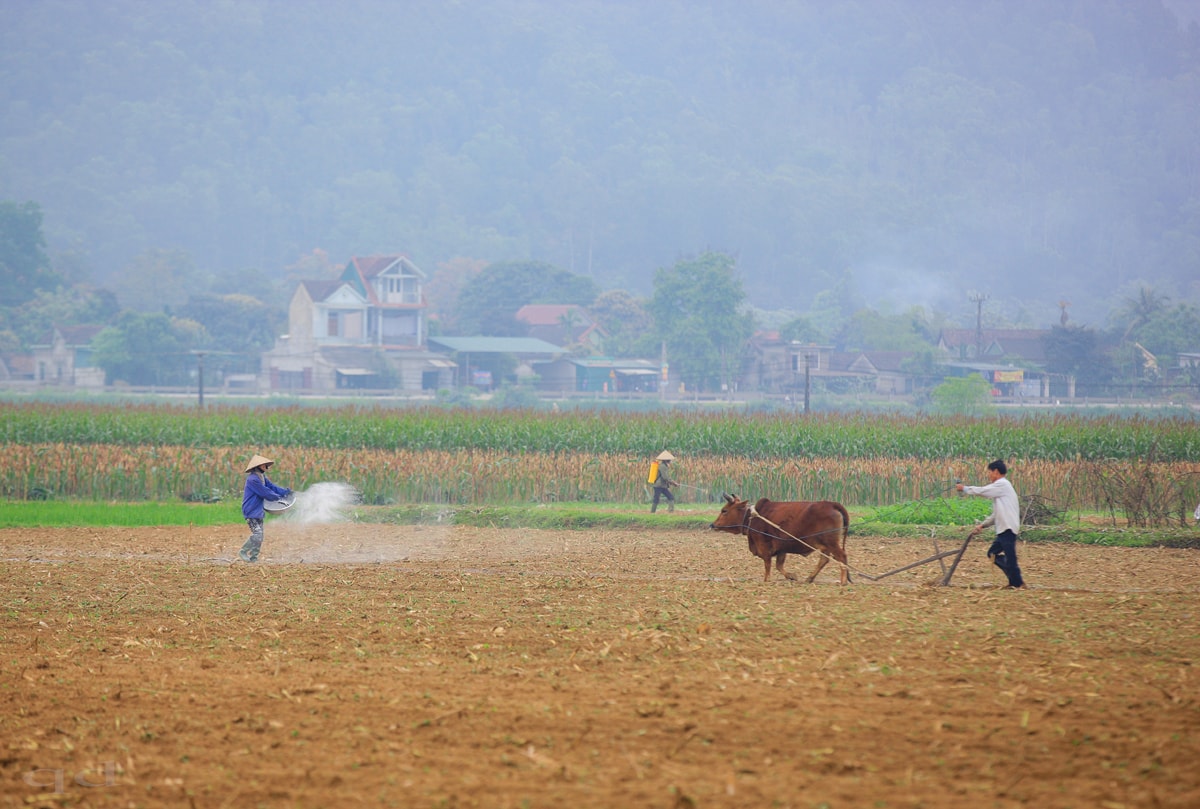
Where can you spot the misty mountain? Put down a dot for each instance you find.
(912, 150)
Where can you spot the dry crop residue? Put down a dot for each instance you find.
(442, 666)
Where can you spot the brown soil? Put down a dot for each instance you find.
(446, 667)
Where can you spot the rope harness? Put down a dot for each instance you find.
(752, 511)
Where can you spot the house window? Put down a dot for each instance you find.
(331, 328)
(291, 380)
(401, 289)
(814, 361)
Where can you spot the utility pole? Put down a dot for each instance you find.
(978, 298)
(807, 367)
(663, 372)
(200, 375)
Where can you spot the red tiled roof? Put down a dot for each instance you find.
(18, 364)
(1028, 344)
(79, 335)
(1028, 348)
(371, 266)
(549, 314)
(320, 289)
(72, 335)
(887, 360)
(957, 337)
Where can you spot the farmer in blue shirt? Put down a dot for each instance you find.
(258, 489)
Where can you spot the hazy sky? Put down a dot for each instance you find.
(914, 149)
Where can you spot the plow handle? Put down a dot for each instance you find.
(957, 559)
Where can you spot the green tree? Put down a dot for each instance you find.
(489, 301)
(155, 281)
(314, 265)
(24, 266)
(1076, 351)
(697, 309)
(1140, 309)
(628, 327)
(72, 306)
(1171, 331)
(146, 349)
(444, 287)
(831, 308)
(965, 396)
(801, 330)
(923, 362)
(869, 330)
(238, 327)
(1153, 333)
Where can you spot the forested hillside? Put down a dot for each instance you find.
(1035, 149)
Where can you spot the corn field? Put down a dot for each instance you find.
(463, 477)
(429, 455)
(601, 433)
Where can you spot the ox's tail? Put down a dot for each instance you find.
(845, 535)
(845, 522)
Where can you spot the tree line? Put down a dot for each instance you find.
(698, 311)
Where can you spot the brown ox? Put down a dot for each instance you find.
(775, 529)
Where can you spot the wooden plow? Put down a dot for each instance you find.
(939, 556)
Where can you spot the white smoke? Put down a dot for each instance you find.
(893, 288)
(322, 527)
(323, 503)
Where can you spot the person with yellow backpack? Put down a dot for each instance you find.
(660, 479)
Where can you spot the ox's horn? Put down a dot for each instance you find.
(729, 498)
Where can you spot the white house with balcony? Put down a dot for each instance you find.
(364, 329)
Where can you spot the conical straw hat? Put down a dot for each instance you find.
(665, 456)
(257, 461)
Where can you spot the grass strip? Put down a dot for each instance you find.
(65, 513)
(561, 517)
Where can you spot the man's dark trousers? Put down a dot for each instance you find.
(1004, 555)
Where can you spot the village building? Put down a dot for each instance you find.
(1010, 345)
(774, 365)
(365, 329)
(64, 357)
(1013, 360)
(481, 362)
(561, 324)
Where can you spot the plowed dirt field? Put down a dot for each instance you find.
(429, 666)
